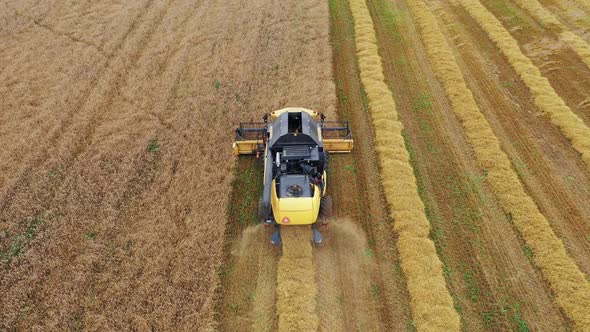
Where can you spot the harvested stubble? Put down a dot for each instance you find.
(569, 284)
(548, 20)
(432, 305)
(296, 288)
(578, 45)
(545, 97)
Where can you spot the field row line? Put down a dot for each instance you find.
(565, 278)
(545, 97)
(548, 20)
(431, 303)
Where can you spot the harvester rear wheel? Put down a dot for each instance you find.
(326, 208)
(261, 213)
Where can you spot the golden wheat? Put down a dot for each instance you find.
(585, 4)
(432, 305)
(567, 281)
(162, 214)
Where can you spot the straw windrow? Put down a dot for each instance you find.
(549, 21)
(296, 287)
(432, 305)
(545, 97)
(568, 283)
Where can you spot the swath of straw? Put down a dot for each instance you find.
(568, 283)
(567, 6)
(549, 21)
(545, 97)
(296, 287)
(431, 302)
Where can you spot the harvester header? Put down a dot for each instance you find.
(332, 136)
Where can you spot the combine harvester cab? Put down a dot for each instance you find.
(294, 144)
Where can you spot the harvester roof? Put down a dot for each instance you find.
(294, 128)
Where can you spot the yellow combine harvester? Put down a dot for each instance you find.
(294, 143)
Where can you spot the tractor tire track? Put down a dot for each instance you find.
(100, 112)
(41, 154)
(56, 32)
(80, 144)
(348, 297)
(164, 94)
(142, 177)
(169, 78)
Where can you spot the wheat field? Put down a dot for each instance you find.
(463, 206)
